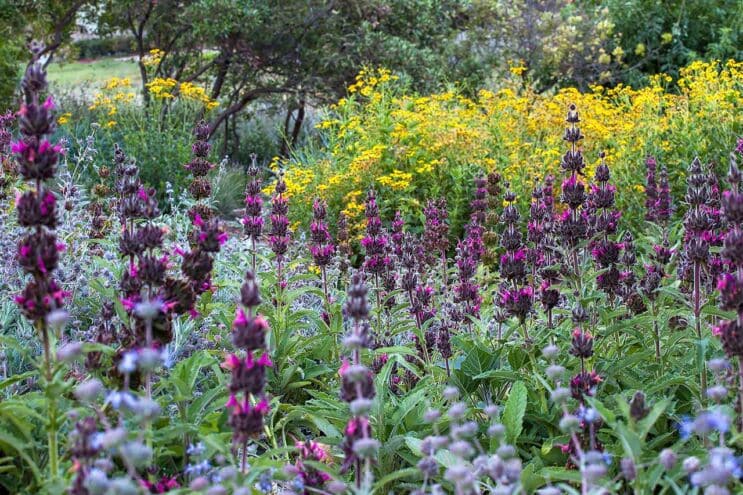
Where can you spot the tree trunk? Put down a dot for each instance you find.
(298, 122)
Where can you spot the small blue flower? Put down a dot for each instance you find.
(118, 399)
(298, 484)
(686, 427)
(128, 363)
(265, 482)
(196, 449)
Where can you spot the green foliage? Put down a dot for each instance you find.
(103, 47)
(665, 36)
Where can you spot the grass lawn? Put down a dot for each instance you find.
(92, 73)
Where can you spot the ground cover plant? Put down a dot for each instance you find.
(572, 325)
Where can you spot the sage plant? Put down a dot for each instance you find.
(253, 219)
(321, 244)
(436, 235)
(279, 235)
(357, 388)
(573, 222)
(247, 402)
(730, 285)
(42, 298)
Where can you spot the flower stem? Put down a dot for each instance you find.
(51, 403)
(698, 326)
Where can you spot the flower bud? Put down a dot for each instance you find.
(628, 468)
(96, 482)
(457, 410)
(461, 448)
(89, 390)
(69, 352)
(137, 453)
(550, 352)
(57, 319)
(122, 486)
(496, 430)
(560, 395)
(718, 365)
(198, 484)
(147, 409)
(459, 474)
(594, 472)
(717, 393)
(549, 490)
(149, 359)
(451, 393)
(366, 447)
(691, 464)
(128, 363)
(432, 415)
(361, 406)
(227, 473)
(667, 459)
(569, 423)
(336, 486)
(439, 442)
(506, 451)
(147, 310)
(356, 373)
(555, 371)
(113, 438)
(491, 410)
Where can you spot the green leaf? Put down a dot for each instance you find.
(324, 426)
(513, 414)
(559, 474)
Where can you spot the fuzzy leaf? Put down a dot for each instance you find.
(513, 414)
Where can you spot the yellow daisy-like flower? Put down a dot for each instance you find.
(64, 118)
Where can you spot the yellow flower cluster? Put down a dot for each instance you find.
(397, 180)
(161, 88)
(117, 82)
(368, 79)
(64, 118)
(413, 147)
(197, 93)
(153, 58)
(114, 92)
(168, 88)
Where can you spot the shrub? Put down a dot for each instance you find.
(104, 47)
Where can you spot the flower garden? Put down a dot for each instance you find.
(508, 293)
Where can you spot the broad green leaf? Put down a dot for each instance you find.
(513, 413)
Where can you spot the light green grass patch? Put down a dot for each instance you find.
(92, 74)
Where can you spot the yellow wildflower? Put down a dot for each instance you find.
(64, 118)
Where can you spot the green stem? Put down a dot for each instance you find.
(51, 402)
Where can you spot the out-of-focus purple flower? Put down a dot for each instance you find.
(375, 242)
(436, 230)
(321, 243)
(248, 373)
(466, 289)
(253, 219)
(518, 302)
(38, 250)
(279, 235)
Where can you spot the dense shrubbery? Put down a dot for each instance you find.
(572, 347)
(104, 47)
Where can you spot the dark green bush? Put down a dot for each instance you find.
(104, 47)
